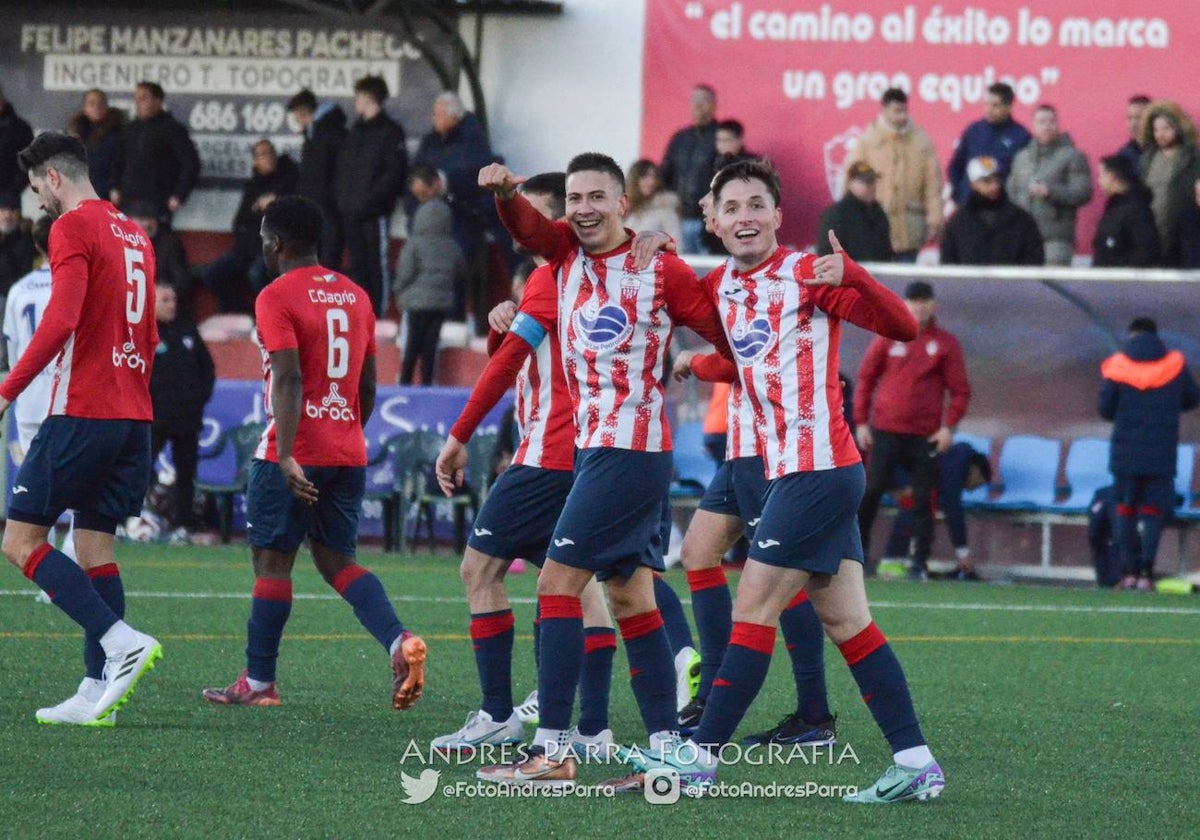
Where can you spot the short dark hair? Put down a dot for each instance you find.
(1142, 324)
(733, 127)
(41, 235)
(305, 99)
(1121, 168)
(1139, 99)
(374, 87)
(596, 162)
(893, 95)
(424, 173)
(746, 170)
(553, 184)
(1004, 91)
(57, 150)
(153, 88)
(296, 220)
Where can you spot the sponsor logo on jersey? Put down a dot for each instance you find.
(601, 327)
(127, 356)
(333, 406)
(335, 298)
(137, 239)
(752, 341)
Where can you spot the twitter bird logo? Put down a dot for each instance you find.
(418, 790)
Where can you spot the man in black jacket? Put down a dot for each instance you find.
(324, 130)
(988, 229)
(1146, 388)
(237, 276)
(181, 384)
(1125, 235)
(170, 257)
(372, 170)
(687, 164)
(16, 243)
(157, 161)
(857, 219)
(15, 135)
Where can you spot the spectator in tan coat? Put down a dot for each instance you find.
(910, 178)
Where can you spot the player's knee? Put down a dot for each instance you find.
(16, 548)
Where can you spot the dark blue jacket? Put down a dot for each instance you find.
(982, 138)
(1145, 390)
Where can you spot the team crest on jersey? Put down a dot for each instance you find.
(324, 278)
(601, 327)
(752, 341)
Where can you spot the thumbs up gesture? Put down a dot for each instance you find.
(828, 270)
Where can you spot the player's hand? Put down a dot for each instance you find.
(829, 268)
(682, 369)
(297, 481)
(646, 244)
(863, 436)
(451, 466)
(502, 316)
(941, 439)
(499, 179)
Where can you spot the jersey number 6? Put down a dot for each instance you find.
(339, 348)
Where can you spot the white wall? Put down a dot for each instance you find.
(558, 86)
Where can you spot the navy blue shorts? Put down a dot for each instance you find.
(277, 520)
(810, 520)
(611, 522)
(737, 490)
(520, 513)
(98, 468)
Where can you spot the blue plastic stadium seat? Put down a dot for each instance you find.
(694, 468)
(1185, 462)
(1087, 471)
(1029, 472)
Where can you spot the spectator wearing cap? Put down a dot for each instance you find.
(169, 255)
(1125, 235)
(910, 397)
(910, 177)
(988, 228)
(16, 242)
(857, 219)
(997, 136)
(1146, 388)
(157, 161)
(1050, 179)
(15, 135)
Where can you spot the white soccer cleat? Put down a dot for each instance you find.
(527, 712)
(599, 747)
(123, 670)
(479, 730)
(77, 710)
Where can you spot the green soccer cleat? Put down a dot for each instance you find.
(903, 784)
(682, 757)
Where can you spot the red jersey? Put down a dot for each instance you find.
(329, 320)
(103, 264)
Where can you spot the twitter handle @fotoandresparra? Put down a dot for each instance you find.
(418, 789)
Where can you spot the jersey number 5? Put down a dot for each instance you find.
(135, 295)
(338, 356)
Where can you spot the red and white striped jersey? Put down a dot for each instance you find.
(785, 336)
(740, 439)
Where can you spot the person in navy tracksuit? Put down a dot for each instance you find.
(1146, 388)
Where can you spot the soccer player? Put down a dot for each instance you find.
(517, 520)
(92, 453)
(317, 333)
(23, 309)
(783, 312)
(614, 324)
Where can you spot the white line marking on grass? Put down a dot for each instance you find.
(898, 605)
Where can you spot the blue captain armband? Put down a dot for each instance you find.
(529, 329)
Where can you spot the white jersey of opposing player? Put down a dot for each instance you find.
(27, 301)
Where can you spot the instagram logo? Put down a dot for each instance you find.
(661, 786)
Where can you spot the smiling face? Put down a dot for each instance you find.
(596, 208)
(747, 220)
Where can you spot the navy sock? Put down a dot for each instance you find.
(70, 590)
(651, 670)
(106, 580)
(595, 681)
(492, 639)
(537, 635)
(805, 640)
(713, 608)
(679, 634)
(270, 606)
(884, 689)
(737, 684)
(363, 591)
(561, 659)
